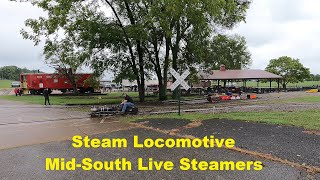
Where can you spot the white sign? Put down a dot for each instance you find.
(180, 80)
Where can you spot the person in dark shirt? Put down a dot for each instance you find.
(46, 96)
(16, 91)
(127, 102)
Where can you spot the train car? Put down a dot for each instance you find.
(35, 83)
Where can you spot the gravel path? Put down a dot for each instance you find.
(286, 95)
(4, 92)
(265, 102)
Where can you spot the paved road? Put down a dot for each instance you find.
(29, 162)
(24, 124)
(287, 142)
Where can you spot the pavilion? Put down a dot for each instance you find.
(225, 76)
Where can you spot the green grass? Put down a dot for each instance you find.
(5, 84)
(306, 119)
(110, 98)
(119, 94)
(306, 99)
(275, 85)
(72, 100)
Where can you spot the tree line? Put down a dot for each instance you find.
(314, 77)
(13, 72)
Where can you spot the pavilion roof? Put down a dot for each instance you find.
(248, 74)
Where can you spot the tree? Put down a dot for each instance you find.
(291, 70)
(228, 50)
(314, 77)
(13, 72)
(181, 30)
(65, 59)
(142, 37)
(113, 43)
(10, 72)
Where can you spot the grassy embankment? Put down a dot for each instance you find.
(112, 98)
(4, 84)
(306, 99)
(307, 119)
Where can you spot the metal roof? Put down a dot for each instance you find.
(238, 75)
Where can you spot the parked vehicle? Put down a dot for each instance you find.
(15, 84)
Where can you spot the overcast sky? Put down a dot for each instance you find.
(273, 28)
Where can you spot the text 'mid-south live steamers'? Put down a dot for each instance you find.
(150, 164)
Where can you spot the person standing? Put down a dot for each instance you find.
(20, 92)
(46, 96)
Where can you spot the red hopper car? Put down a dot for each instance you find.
(35, 83)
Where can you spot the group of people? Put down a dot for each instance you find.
(46, 92)
(226, 90)
(18, 91)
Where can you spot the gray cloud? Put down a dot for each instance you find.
(274, 28)
(287, 10)
(14, 50)
(283, 28)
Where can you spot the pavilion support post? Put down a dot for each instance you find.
(270, 85)
(278, 81)
(218, 83)
(225, 83)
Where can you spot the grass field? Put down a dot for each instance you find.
(5, 84)
(307, 99)
(113, 98)
(306, 119)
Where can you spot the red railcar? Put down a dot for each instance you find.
(35, 83)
